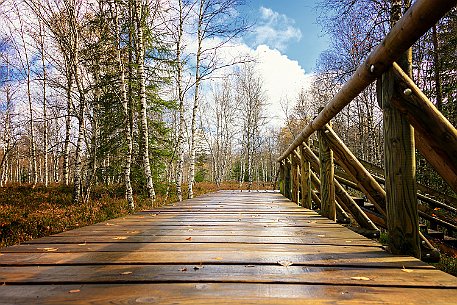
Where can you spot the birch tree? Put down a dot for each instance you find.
(139, 22)
(251, 98)
(211, 19)
(125, 106)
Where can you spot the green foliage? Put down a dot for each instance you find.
(201, 174)
(447, 264)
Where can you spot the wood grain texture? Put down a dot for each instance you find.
(349, 162)
(262, 250)
(327, 171)
(400, 175)
(437, 136)
(294, 179)
(305, 179)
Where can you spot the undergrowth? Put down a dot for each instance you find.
(27, 213)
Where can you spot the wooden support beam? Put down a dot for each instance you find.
(281, 177)
(316, 199)
(294, 178)
(352, 166)
(417, 20)
(305, 179)
(327, 189)
(399, 163)
(437, 137)
(345, 200)
(360, 217)
(341, 215)
(287, 167)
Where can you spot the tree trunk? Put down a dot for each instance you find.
(182, 123)
(143, 102)
(33, 175)
(125, 110)
(200, 31)
(45, 117)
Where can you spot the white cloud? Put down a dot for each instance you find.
(283, 79)
(275, 30)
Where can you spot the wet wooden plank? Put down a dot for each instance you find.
(308, 240)
(317, 255)
(222, 293)
(227, 273)
(183, 245)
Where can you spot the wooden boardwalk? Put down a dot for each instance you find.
(223, 248)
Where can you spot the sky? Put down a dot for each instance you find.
(287, 41)
(289, 26)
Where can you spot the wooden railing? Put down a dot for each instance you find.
(395, 204)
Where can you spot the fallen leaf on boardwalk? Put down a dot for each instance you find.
(360, 278)
(285, 263)
(190, 230)
(85, 243)
(48, 249)
(183, 269)
(189, 238)
(349, 241)
(407, 270)
(126, 273)
(153, 215)
(108, 224)
(120, 237)
(201, 286)
(218, 258)
(74, 291)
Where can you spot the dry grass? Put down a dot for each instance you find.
(27, 213)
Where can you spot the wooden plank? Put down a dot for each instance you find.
(222, 293)
(227, 273)
(316, 255)
(306, 240)
(182, 245)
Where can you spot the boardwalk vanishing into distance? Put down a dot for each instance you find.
(227, 247)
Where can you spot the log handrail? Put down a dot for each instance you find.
(418, 19)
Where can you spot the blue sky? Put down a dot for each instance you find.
(289, 26)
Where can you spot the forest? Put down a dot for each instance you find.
(152, 96)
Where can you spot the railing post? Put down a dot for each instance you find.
(287, 167)
(400, 164)
(328, 208)
(294, 181)
(305, 179)
(281, 177)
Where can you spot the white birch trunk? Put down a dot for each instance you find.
(45, 117)
(181, 131)
(196, 101)
(143, 102)
(125, 110)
